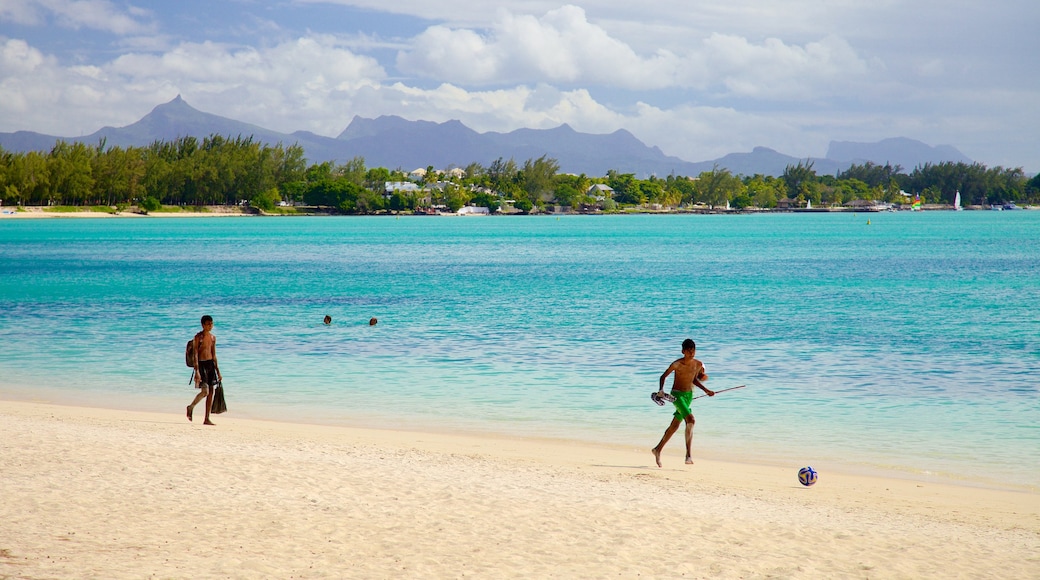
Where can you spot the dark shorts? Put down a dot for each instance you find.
(207, 373)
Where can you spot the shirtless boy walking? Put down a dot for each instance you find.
(688, 372)
(207, 372)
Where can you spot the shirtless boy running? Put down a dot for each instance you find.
(688, 372)
(207, 372)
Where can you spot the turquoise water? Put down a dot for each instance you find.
(911, 344)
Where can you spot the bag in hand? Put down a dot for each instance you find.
(219, 405)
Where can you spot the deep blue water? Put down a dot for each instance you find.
(909, 344)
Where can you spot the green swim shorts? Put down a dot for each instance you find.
(682, 404)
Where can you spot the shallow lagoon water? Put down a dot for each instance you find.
(910, 344)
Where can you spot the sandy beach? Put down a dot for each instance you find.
(94, 493)
(43, 213)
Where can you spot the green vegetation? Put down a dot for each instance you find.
(77, 209)
(283, 211)
(66, 209)
(215, 171)
(178, 209)
(189, 174)
(149, 203)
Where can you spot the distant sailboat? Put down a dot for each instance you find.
(957, 202)
(808, 204)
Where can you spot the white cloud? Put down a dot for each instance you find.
(98, 15)
(18, 58)
(290, 86)
(712, 13)
(773, 69)
(20, 12)
(457, 12)
(287, 87)
(20, 62)
(561, 46)
(93, 14)
(454, 55)
(933, 42)
(564, 47)
(726, 76)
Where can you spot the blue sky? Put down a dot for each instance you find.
(697, 78)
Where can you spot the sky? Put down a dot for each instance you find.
(697, 78)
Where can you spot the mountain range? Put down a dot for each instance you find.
(393, 142)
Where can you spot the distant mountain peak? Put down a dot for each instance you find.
(563, 130)
(365, 127)
(175, 104)
(394, 142)
(908, 153)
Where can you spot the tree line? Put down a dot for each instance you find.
(220, 170)
(188, 171)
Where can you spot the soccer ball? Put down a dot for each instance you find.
(807, 476)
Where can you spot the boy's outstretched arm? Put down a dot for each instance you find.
(697, 381)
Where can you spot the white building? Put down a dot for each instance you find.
(600, 192)
(402, 186)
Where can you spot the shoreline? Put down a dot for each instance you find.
(36, 212)
(98, 492)
(308, 417)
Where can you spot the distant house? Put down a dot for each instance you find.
(473, 210)
(402, 186)
(600, 192)
(417, 174)
(862, 204)
(421, 195)
(457, 172)
(787, 203)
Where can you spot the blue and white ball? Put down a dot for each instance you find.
(807, 476)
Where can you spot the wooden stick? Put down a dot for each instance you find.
(722, 391)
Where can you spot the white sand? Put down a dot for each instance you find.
(35, 212)
(90, 493)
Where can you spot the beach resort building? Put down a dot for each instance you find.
(600, 192)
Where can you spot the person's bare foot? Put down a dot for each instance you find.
(689, 460)
(189, 412)
(208, 422)
(657, 455)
